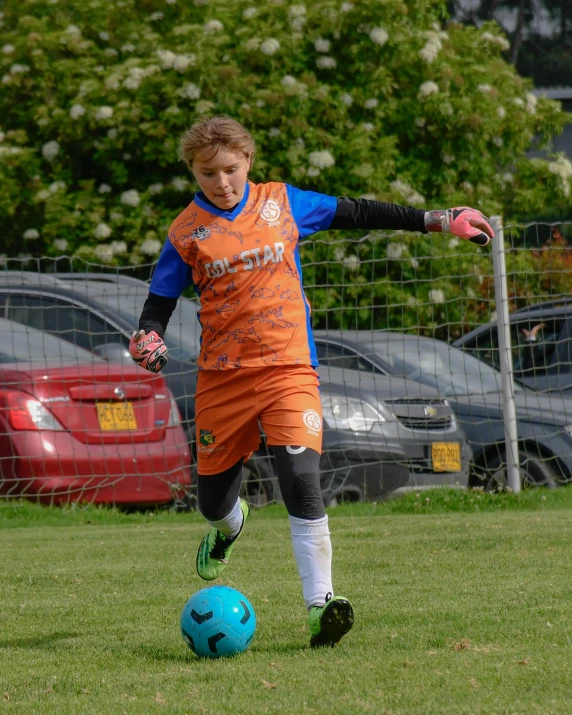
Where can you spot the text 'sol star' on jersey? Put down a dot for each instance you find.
(248, 260)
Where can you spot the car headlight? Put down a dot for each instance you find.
(349, 413)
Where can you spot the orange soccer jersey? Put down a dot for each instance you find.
(245, 267)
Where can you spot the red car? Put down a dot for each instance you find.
(74, 427)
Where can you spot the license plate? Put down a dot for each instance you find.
(446, 456)
(116, 416)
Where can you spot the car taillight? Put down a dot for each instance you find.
(175, 415)
(27, 413)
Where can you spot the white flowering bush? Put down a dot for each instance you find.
(379, 99)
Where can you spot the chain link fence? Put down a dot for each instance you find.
(408, 342)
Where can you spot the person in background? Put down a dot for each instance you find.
(530, 357)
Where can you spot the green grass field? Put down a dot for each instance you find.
(463, 605)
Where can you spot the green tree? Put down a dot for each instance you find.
(382, 99)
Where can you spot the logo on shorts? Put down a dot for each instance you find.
(207, 444)
(313, 421)
(207, 437)
(270, 211)
(200, 233)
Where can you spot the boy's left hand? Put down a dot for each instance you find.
(149, 350)
(462, 221)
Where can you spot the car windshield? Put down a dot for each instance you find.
(183, 334)
(450, 370)
(23, 344)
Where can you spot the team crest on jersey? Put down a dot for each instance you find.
(200, 233)
(270, 211)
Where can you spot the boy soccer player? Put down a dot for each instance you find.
(237, 243)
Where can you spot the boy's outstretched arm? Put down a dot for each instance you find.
(463, 221)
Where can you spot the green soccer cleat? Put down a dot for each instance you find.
(215, 549)
(330, 622)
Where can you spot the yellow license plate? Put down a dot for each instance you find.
(116, 416)
(446, 456)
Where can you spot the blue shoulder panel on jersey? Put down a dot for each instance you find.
(230, 215)
(171, 275)
(312, 212)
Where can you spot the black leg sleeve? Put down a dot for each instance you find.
(298, 475)
(217, 493)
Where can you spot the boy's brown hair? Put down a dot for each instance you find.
(211, 133)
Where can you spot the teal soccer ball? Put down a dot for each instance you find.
(218, 621)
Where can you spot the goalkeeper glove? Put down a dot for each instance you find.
(462, 221)
(149, 350)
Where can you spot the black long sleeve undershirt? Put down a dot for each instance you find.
(156, 313)
(350, 213)
(366, 214)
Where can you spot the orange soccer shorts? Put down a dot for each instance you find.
(230, 404)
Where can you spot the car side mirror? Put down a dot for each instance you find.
(114, 352)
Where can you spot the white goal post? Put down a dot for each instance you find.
(505, 355)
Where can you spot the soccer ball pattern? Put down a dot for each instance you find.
(218, 621)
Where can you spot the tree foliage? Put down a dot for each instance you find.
(382, 99)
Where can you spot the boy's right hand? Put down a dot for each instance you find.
(149, 350)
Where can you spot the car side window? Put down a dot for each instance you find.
(63, 319)
(534, 357)
(341, 356)
(486, 347)
(335, 356)
(528, 358)
(561, 360)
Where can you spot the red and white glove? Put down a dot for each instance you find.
(462, 221)
(149, 350)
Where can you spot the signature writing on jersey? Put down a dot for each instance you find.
(249, 260)
(224, 336)
(227, 307)
(273, 317)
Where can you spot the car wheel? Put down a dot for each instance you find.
(345, 496)
(259, 482)
(534, 472)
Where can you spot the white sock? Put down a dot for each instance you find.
(313, 554)
(232, 523)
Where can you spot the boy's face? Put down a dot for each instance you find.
(222, 177)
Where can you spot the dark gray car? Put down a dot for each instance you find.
(386, 434)
(473, 389)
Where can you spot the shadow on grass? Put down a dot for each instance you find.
(48, 641)
(163, 654)
(185, 655)
(284, 648)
